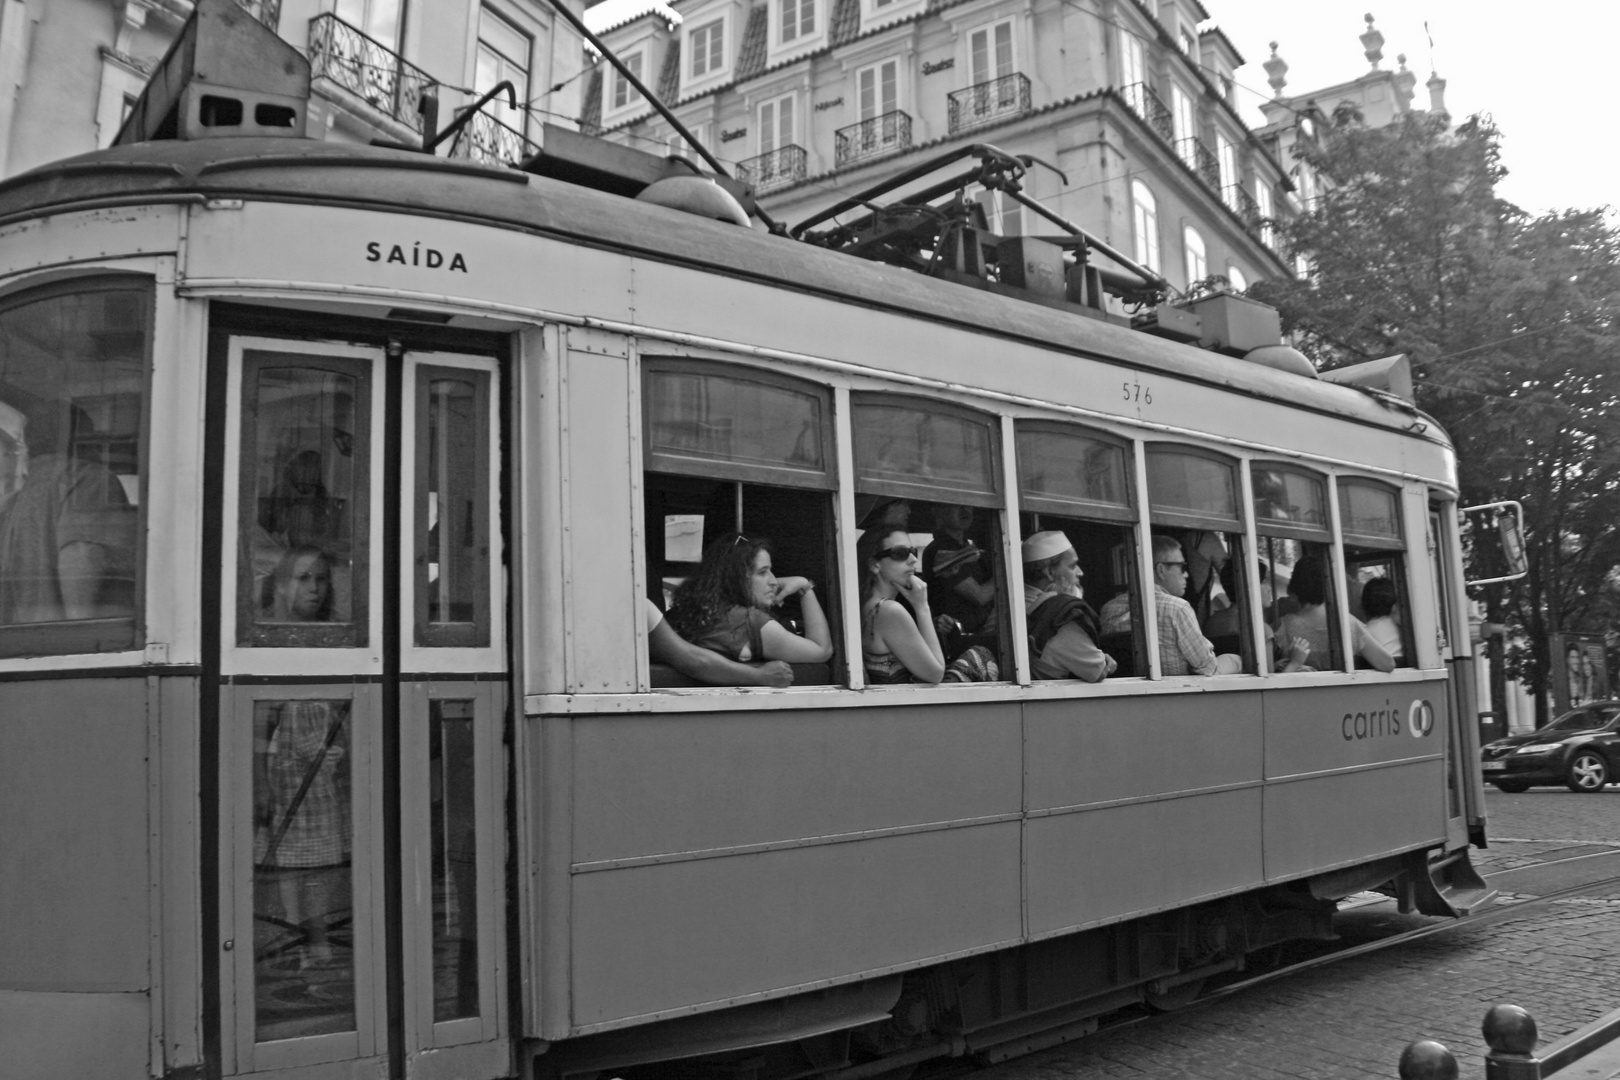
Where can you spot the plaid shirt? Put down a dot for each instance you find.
(1183, 648)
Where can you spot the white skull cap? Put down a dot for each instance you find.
(1044, 545)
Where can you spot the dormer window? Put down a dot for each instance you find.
(707, 44)
(624, 94)
(798, 20)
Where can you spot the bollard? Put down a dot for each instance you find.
(1427, 1060)
(1510, 1032)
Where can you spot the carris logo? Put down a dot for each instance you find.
(1420, 718)
(416, 255)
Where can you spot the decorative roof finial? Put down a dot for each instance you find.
(1404, 82)
(1372, 42)
(1276, 71)
(1437, 94)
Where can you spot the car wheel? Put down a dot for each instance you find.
(1511, 787)
(1588, 772)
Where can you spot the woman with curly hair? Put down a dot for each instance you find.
(726, 606)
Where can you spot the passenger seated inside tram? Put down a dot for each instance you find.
(899, 642)
(726, 606)
(1309, 587)
(1116, 613)
(299, 589)
(1063, 630)
(705, 665)
(1183, 648)
(1379, 601)
(962, 581)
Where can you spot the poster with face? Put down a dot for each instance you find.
(1580, 671)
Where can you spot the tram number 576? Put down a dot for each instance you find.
(1135, 391)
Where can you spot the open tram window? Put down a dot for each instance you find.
(305, 479)
(73, 374)
(744, 456)
(1295, 537)
(928, 493)
(1078, 483)
(1375, 564)
(1197, 563)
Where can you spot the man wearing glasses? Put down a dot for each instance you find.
(1183, 648)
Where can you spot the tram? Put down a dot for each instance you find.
(337, 480)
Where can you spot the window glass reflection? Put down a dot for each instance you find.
(455, 861)
(303, 908)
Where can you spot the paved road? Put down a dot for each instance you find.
(1350, 1021)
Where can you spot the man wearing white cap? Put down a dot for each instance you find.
(1062, 627)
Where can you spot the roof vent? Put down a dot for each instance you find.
(226, 74)
(683, 188)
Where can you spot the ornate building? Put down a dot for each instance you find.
(1129, 102)
(71, 69)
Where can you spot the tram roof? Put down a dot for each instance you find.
(399, 181)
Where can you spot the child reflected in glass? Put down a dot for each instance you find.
(299, 589)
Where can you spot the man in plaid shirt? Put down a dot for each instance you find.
(1183, 648)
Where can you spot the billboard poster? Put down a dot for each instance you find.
(1580, 671)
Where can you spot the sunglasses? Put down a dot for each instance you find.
(899, 553)
(1176, 565)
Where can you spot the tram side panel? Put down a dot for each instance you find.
(75, 871)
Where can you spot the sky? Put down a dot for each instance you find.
(1543, 72)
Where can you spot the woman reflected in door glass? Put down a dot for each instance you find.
(300, 588)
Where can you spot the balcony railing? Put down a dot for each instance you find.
(367, 68)
(1146, 104)
(775, 168)
(869, 138)
(1242, 204)
(488, 140)
(1201, 160)
(986, 102)
(266, 11)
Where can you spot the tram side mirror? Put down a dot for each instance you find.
(1495, 533)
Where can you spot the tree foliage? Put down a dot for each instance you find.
(1510, 324)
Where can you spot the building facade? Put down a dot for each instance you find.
(71, 69)
(1129, 102)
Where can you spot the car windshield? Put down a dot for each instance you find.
(1581, 720)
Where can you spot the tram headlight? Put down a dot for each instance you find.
(1537, 748)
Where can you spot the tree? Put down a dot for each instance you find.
(1510, 325)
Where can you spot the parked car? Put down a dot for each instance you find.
(1581, 749)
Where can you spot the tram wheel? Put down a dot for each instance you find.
(1511, 787)
(1177, 997)
(1588, 772)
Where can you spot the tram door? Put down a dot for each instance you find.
(362, 684)
(1459, 704)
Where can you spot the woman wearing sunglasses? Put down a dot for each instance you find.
(727, 606)
(897, 645)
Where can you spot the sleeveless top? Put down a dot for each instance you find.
(881, 668)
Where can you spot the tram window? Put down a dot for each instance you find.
(73, 372)
(734, 451)
(303, 886)
(1078, 483)
(1193, 506)
(1375, 552)
(1296, 547)
(927, 477)
(304, 483)
(452, 507)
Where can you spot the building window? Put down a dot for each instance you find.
(1226, 160)
(623, 93)
(1145, 225)
(675, 144)
(990, 53)
(1184, 122)
(707, 46)
(776, 126)
(798, 19)
(377, 19)
(878, 89)
(1264, 208)
(1197, 264)
(1132, 64)
(1189, 46)
(1236, 280)
(503, 54)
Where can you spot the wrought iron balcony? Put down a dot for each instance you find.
(1146, 104)
(1201, 160)
(773, 169)
(869, 138)
(488, 140)
(1241, 203)
(266, 11)
(986, 102)
(368, 69)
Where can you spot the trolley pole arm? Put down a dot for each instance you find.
(468, 113)
(1153, 281)
(561, 7)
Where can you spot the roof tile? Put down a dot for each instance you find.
(846, 22)
(751, 56)
(669, 79)
(590, 109)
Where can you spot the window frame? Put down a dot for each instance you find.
(1195, 255)
(1179, 519)
(1128, 514)
(1311, 534)
(800, 34)
(1370, 540)
(715, 27)
(635, 60)
(995, 499)
(114, 634)
(1144, 225)
(517, 119)
(774, 127)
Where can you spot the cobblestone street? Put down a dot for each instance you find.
(1350, 1020)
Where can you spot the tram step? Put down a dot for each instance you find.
(1450, 886)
